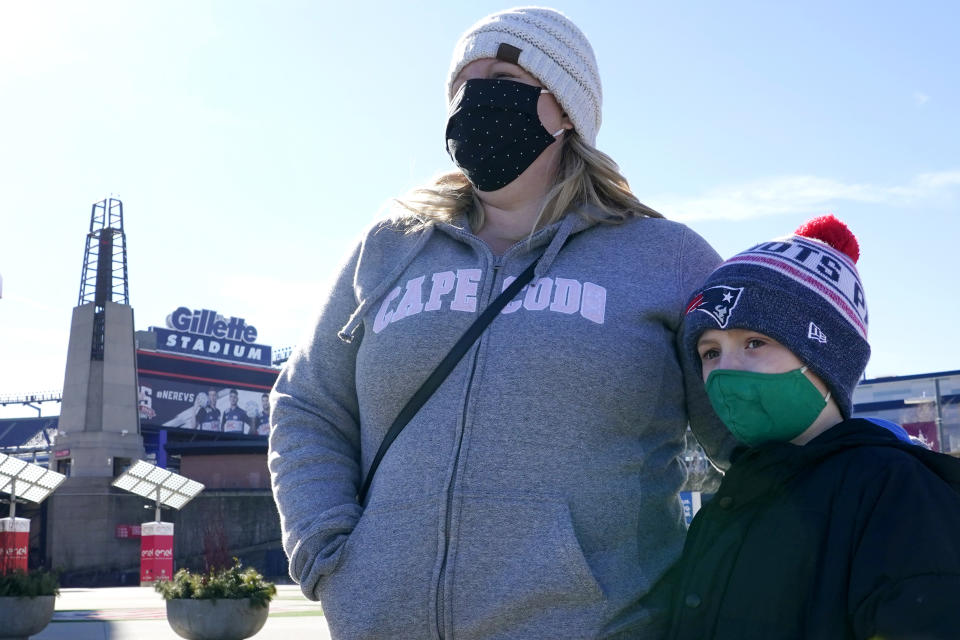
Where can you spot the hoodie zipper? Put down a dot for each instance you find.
(441, 594)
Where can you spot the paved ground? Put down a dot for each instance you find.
(138, 613)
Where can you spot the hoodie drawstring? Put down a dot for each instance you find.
(349, 330)
(566, 228)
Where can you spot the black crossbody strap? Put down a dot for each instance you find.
(443, 370)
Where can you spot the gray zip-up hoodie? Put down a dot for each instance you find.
(534, 495)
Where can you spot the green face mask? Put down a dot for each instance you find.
(764, 407)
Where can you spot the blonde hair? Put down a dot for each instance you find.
(585, 176)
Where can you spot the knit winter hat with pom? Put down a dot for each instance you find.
(803, 291)
(545, 43)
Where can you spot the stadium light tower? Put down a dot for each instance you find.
(104, 275)
(100, 383)
(98, 432)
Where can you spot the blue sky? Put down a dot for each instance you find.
(252, 142)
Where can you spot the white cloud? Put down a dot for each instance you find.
(938, 180)
(920, 98)
(800, 195)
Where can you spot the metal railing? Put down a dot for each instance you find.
(30, 398)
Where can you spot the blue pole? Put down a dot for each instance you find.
(162, 448)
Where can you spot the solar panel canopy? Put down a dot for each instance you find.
(150, 481)
(27, 480)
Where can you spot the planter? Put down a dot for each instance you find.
(21, 618)
(220, 619)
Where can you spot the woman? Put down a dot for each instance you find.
(534, 495)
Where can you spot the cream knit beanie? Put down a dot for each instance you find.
(545, 43)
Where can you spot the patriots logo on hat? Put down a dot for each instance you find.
(718, 302)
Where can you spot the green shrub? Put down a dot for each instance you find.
(232, 583)
(21, 584)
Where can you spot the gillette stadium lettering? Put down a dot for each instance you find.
(205, 333)
(204, 322)
(187, 343)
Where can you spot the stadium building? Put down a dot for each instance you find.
(201, 402)
(187, 395)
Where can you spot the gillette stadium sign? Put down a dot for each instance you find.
(207, 334)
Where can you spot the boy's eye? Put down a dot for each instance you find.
(754, 343)
(710, 354)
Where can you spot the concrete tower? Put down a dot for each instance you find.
(99, 426)
(99, 423)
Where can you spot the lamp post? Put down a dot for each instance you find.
(31, 482)
(156, 538)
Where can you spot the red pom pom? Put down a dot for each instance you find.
(832, 231)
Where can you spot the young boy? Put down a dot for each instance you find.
(824, 526)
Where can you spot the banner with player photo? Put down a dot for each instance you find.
(203, 407)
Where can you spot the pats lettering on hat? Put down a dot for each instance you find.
(830, 274)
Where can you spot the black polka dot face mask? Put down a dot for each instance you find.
(494, 132)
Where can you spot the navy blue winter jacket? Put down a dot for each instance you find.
(855, 535)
